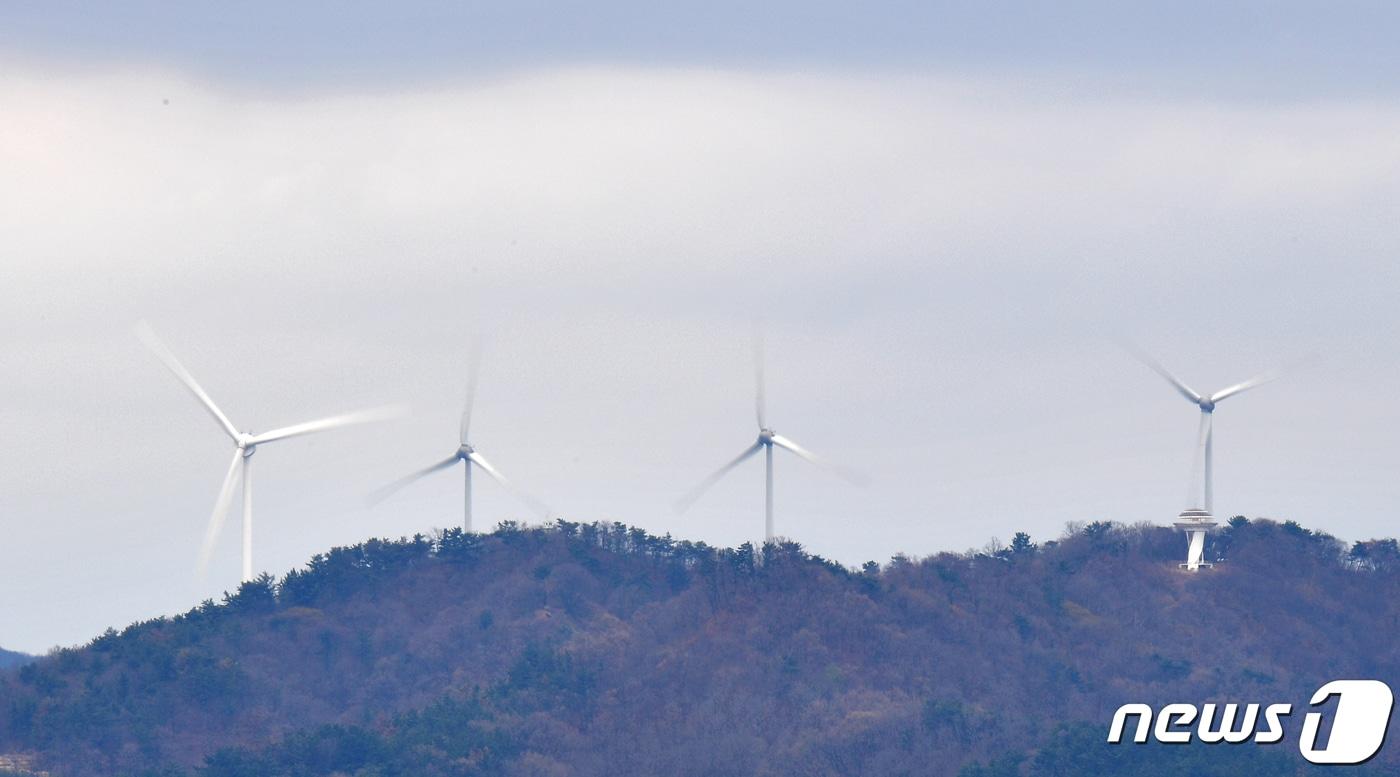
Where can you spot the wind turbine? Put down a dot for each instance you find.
(767, 440)
(468, 455)
(1206, 403)
(245, 444)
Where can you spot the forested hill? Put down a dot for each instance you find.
(601, 650)
(9, 658)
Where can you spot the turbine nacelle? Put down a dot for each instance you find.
(244, 442)
(1207, 405)
(765, 436)
(465, 452)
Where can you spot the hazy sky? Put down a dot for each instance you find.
(944, 213)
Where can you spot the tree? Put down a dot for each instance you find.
(1021, 544)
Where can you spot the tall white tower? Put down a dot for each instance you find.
(1196, 523)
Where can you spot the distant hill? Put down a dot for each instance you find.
(601, 650)
(9, 658)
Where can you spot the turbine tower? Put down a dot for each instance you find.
(767, 440)
(245, 445)
(1207, 404)
(468, 455)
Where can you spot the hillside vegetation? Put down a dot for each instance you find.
(574, 650)
(9, 658)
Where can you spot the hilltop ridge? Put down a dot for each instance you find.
(593, 649)
(9, 658)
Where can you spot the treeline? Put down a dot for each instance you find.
(10, 658)
(592, 649)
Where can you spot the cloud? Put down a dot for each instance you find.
(594, 172)
(1247, 50)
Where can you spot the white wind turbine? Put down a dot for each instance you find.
(1206, 403)
(767, 439)
(468, 455)
(245, 444)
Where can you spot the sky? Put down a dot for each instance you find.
(944, 214)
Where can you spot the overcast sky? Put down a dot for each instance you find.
(945, 215)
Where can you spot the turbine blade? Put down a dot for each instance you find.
(1142, 356)
(694, 494)
(473, 368)
(334, 422)
(1257, 380)
(760, 384)
(216, 520)
(542, 509)
(167, 357)
(852, 476)
(380, 494)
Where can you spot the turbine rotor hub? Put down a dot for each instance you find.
(765, 436)
(465, 451)
(1207, 406)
